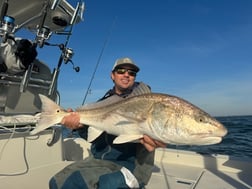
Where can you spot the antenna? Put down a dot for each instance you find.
(98, 62)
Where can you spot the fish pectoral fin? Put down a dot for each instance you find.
(127, 138)
(93, 133)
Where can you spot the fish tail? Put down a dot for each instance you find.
(51, 114)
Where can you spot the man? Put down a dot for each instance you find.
(111, 166)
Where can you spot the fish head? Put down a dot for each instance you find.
(185, 124)
(199, 128)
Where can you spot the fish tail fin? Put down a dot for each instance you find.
(51, 114)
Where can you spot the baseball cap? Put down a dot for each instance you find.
(125, 62)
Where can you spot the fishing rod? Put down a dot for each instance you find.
(66, 53)
(98, 61)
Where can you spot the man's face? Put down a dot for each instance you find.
(124, 78)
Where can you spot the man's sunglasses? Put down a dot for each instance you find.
(124, 70)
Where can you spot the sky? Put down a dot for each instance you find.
(199, 50)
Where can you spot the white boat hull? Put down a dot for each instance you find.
(175, 169)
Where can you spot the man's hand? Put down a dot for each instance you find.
(72, 120)
(151, 144)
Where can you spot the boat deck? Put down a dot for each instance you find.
(186, 170)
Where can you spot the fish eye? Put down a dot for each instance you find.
(200, 118)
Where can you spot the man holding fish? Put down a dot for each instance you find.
(111, 166)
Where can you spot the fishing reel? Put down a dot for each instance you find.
(43, 34)
(67, 57)
(7, 28)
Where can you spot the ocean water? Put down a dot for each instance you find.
(237, 143)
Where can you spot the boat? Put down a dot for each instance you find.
(29, 161)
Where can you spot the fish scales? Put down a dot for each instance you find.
(132, 107)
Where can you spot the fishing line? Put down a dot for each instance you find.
(98, 61)
(24, 155)
(5, 144)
